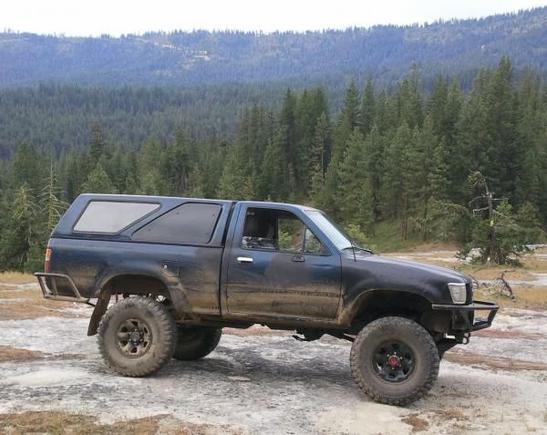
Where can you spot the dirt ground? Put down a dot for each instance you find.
(260, 381)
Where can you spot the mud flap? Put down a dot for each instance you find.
(100, 308)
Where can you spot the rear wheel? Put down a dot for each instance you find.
(394, 360)
(137, 336)
(195, 342)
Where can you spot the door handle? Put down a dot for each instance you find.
(298, 258)
(244, 259)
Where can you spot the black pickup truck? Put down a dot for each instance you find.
(167, 274)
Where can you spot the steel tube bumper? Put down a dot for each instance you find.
(50, 287)
(463, 315)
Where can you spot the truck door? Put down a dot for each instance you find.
(277, 266)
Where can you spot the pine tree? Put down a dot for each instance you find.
(321, 148)
(51, 206)
(19, 231)
(275, 177)
(349, 118)
(368, 108)
(409, 101)
(426, 173)
(27, 168)
(98, 181)
(396, 176)
(356, 206)
(236, 181)
(97, 145)
(374, 150)
(174, 167)
(504, 152)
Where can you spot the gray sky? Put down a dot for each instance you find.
(115, 17)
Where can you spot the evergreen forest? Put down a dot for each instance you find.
(404, 163)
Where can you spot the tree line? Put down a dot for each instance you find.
(219, 57)
(398, 156)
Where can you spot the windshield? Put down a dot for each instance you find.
(335, 235)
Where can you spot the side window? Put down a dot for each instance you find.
(188, 223)
(110, 217)
(290, 233)
(278, 230)
(312, 245)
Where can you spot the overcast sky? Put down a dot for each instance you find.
(115, 17)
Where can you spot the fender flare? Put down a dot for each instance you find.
(177, 296)
(350, 311)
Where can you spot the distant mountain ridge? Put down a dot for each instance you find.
(200, 58)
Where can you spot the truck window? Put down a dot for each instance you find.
(110, 217)
(278, 230)
(190, 223)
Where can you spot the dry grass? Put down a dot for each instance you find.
(18, 304)
(53, 422)
(418, 424)
(16, 278)
(25, 309)
(14, 354)
(15, 293)
(535, 264)
(450, 414)
(492, 362)
(531, 298)
(421, 421)
(429, 247)
(494, 272)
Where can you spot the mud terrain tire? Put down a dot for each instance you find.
(394, 338)
(137, 336)
(196, 342)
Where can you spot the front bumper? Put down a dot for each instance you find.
(463, 318)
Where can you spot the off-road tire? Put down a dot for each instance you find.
(425, 353)
(195, 342)
(163, 336)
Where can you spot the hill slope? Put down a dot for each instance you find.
(201, 57)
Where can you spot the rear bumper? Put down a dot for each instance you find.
(59, 287)
(463, 316)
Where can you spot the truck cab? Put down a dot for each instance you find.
(185, 268)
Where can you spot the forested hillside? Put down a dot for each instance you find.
(193, 58)
(398, 156)
(56, 118)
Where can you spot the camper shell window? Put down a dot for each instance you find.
(110, 217)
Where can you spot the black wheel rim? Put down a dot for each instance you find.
(134, 337)
(393, 361)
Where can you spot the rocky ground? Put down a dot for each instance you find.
(258, 381)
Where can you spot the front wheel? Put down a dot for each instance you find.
(394, 360)
(195, 342)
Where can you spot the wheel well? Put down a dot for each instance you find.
(124, 284)
(381, 303)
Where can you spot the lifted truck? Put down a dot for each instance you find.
(181, 269)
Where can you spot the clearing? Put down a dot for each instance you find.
(262, 381)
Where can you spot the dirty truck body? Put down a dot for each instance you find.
(175, 271)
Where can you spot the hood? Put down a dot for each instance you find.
(439, 272)
(375, 272)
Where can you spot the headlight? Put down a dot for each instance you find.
(458, 292)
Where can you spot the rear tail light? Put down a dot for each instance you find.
(46, 260)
